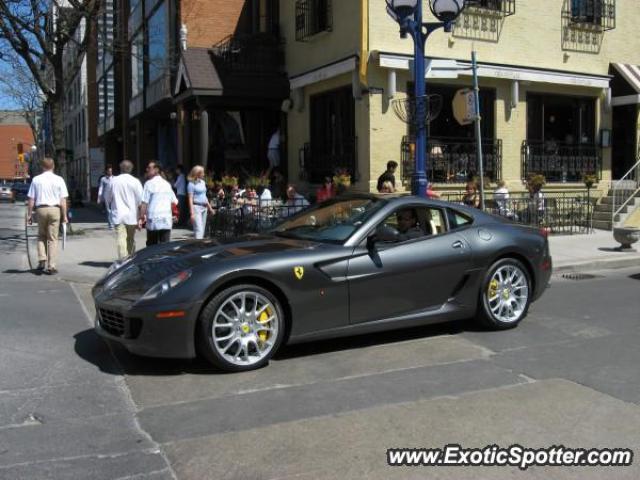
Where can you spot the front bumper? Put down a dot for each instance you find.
(142, 333)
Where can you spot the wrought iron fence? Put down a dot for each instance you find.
(453, 160)
(320, 161)
(561, 162)
(565, 212)
(599, 14)
(313, 17)
(500, 7)
(235, 218)
(261, 53)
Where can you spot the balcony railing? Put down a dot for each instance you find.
(251, 54)
(565, 212)
(499, 7)
(598, 14)
(241, 217)
(561, 162)
(317, 162)
(453, 160)
(313, 17)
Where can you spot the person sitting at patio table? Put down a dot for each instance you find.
(471, 197)
(387, 187)
(326, 191)
(295, 202)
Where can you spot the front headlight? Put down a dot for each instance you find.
(167, 284)
(117, 264)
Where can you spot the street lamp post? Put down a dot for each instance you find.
(408, 14)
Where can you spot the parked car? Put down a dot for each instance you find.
(351, 265)
(20, 190)
(6, 193)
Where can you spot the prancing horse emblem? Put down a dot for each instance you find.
(299, 272)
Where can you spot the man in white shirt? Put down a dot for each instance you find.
(103, 189)
(295, 202)
(48, 195)
(180, 186)
(156, 206)
(123, 197)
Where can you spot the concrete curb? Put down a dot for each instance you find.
(603, 264)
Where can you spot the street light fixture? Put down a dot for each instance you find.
(408, 15)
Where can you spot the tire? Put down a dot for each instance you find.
(505, 295)
(241, 328)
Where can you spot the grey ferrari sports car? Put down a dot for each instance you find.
(352, 265)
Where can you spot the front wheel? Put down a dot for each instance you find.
(506, 295)
(241, 328)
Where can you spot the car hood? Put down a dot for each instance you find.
(154, 265)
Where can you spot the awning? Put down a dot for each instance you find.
(197, 73)
(449, 68)
(201, 75)
(631, 73)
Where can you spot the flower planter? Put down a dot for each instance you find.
(626, 236)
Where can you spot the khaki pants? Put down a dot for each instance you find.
(126, 239)
(48, 228)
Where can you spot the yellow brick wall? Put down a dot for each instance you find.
(325, 47)
(531, 37)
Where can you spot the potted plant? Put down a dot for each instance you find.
(229, 181)
(590, 179)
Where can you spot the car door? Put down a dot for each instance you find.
(407, 277)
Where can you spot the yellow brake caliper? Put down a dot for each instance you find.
(263, 318)
(493, 288)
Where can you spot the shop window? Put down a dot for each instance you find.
(333, 141)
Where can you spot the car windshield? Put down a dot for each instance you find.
(332, 222)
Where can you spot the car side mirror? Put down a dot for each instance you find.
(385, 234)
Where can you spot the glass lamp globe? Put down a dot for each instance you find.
(402, 9)
(446, 10)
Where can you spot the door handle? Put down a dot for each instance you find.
(458, 244)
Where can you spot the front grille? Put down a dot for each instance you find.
(118, 325)
(112, 322)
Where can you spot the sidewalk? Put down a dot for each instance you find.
(89, 253)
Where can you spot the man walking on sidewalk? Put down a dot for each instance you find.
(103, 190)
(123, 197)
(156, 208)
(48, 195)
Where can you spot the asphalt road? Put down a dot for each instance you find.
(73, 407)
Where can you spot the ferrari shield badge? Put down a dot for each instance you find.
(298, 272)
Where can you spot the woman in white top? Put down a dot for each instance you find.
(197, 200)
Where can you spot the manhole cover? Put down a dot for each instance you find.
(580, 276)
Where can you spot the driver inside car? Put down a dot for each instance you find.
(408, 224)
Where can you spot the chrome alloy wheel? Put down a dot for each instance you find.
(245, 328)
(508, 293)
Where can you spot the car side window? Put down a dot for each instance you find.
(458, 219)
(437, 224)
(416, 222)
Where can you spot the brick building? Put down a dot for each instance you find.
(193, 81)
(14, 130)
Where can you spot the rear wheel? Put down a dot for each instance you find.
(506, 295)
(241, 328)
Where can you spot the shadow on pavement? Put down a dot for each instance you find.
(113, 358)
(382, 338)
(33, 272)
(96, 264)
